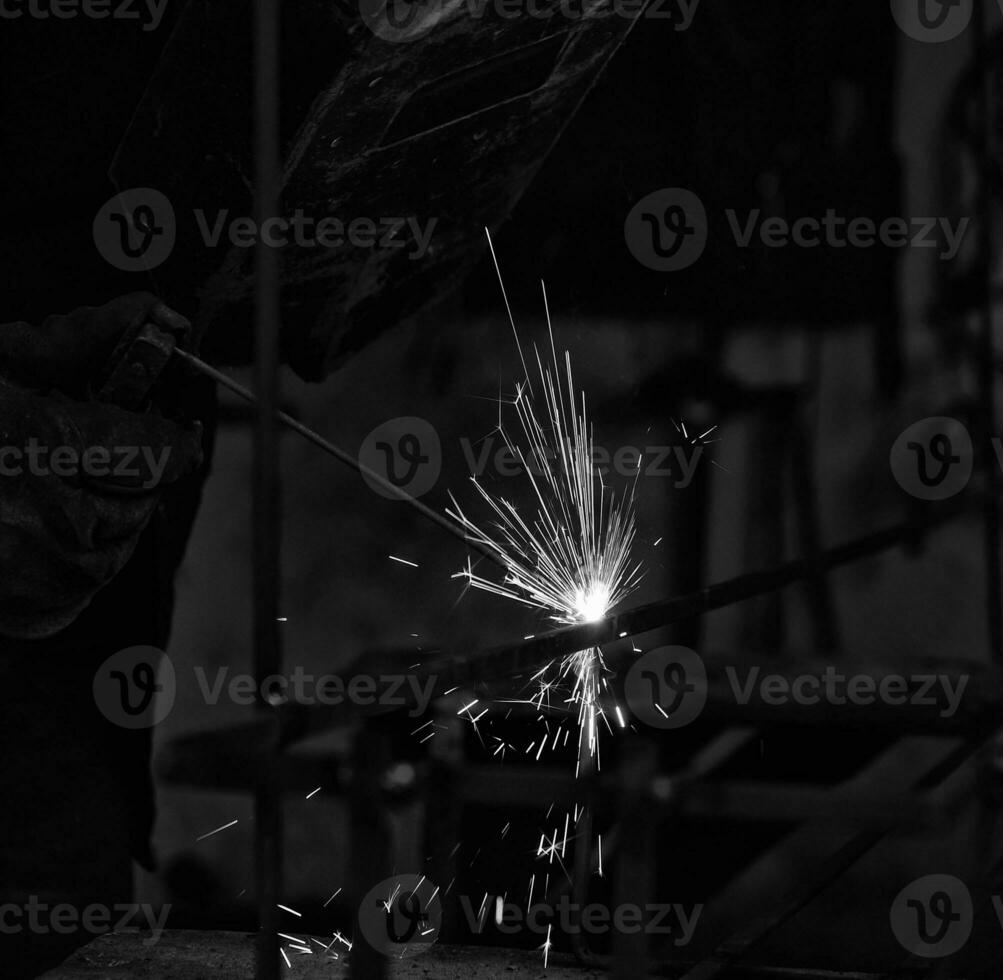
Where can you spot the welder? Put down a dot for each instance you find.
(89, 550)
(88, 546)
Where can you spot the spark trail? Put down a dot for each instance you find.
(570, 555)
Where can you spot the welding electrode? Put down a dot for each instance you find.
(339, 454)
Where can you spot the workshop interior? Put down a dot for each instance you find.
(501, 488)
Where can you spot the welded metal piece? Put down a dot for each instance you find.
(526, 657)
(981, 710)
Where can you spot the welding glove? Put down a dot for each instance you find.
(79, 480)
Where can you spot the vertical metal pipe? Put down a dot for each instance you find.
(582, 871)
(371, 848)
(634, 875)
(266, 510)
(444, 808)
(987, 344)
(804, 493)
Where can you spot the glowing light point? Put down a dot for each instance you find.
(591, 604)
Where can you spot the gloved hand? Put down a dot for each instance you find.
(79, 481)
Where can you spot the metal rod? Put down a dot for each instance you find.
(708, 759)
(299, 721)
(529, 656)
(818, 878)
(533, 654)
(634, 874)
(583, 863)
(267, 491)
(341, 455)
(986, 339)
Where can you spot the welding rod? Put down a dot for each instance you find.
(339, 454)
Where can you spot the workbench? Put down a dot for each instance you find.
(195, 955)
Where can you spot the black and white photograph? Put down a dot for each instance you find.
(501, 489)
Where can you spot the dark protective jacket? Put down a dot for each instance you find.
(77, 794)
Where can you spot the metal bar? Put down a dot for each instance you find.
(708, 759)
(267, 493)
(723, 959)
(444, 809)
(229, 758)
(765, 503)
(533, 654)
(672, 968)
(782, 973)
(449, 786)
(634, 874)
(986, 340)
(529, 656)
(339, 454)
(982, 707)
(583, 864)
(805, 500)
(687, 526)
(371, 841)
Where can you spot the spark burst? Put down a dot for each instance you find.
(571, 556)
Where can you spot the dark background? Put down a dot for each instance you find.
(810, 363)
